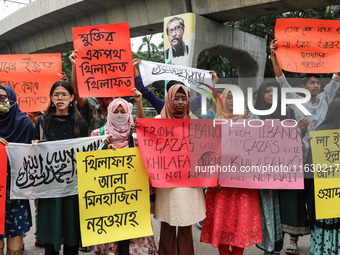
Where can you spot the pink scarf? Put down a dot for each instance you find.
(118, 125)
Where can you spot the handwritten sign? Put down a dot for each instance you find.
(261, 154)
(113, 196)
(104, 67)
(31, 76)
(205, 150)
(192, 77)
(3, 180)
(166, 147)
(326, 161)
(49, 169)
(308, 45)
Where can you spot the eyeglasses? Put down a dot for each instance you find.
(176, 29)
(57, 95)
(177, 99)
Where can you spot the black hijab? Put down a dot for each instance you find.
(261, 104)
(15, 126)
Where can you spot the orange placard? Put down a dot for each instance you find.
(3, 180)
(104, 63)
(308, 45)
(31, 76)
(170, 148)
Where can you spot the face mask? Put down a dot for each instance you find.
(4, 107)
(120, 119)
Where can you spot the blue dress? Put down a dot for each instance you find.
(325, 237)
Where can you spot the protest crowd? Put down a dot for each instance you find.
(231, 218)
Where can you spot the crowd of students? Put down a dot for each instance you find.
(234, 218)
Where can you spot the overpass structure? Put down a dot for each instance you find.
(46, 25)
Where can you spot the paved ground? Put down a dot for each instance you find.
(200, 248)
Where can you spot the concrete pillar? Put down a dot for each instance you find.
(247, 52)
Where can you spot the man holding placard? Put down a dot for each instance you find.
(94, 115)
(317, 106)
(104, 68)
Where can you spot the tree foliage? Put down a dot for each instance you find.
(153, 53)
(66, 64)
(152, 49)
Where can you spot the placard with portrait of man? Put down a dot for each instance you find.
(179, 37)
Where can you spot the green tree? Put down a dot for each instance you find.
(66, 64)
(153, 53)
(151, 47)
(222, 66)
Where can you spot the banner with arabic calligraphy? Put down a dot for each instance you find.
(325, 146)
(192, 77)
(48, 169)
(104, 63)
(3, 180)
(113, 196)
(31, 76)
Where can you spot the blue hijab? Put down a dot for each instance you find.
(15, 126)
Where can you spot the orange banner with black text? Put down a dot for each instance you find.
(308, 45)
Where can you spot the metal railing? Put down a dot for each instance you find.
(150, 112)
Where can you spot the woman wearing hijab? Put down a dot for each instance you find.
(119, 121)
(118, 126)
(271, 209)
(178, 207)
(233, 215)
(325, 234)
(269, 199)
(15, 127)
(225, 110)
(58, 218)
(264, 101)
